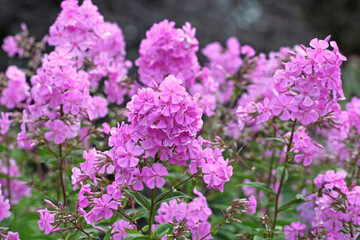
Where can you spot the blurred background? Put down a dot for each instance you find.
(264, 24)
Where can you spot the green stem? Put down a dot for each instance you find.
(152, 208)
(248, 167)
(276, 208)
(61, 174)
(133, 222)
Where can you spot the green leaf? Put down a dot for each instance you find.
(133, 231)
(279, 172)
(140, 200)
(136, 237)
(162, 229)
(297, 201)
(174, 194)
(108, 235)
(275, 139)
(259, 185)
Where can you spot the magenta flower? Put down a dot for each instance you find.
(307, 155)
(171, 90)
(97, 108)
(10, 46)
(264, 110)
(137, 180)
(302, 139)
(12, 236)
(72, 101)
(4, 207)
(103, 206)
(119, 229)
(114, 190)
(46, 219)
(332, 219)
(58, 131)
(284, 105)
(293, 231)
(252, 204)
(167, 212)
(127, 156)
(335, 180)
(154, 175)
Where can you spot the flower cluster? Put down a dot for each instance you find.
(168, 50)
(5, 213)
(308, 87)
(18, 188)
(336, 210)
(87, 49)
(344, 146)
(163, 128)
(193, 215)
(17, 89)
(96, 46)
(24, 46)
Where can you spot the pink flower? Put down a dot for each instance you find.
(4, 207)
(264, 110)
(335, 180)
(119, 229)
(293, 231)
(103, 206)
(46, 219)
(167, 212)
(252, 204)
(10, 46)
(154, 175)
(307, 155)
(12, 236)
(58, 131)
(114, 190)
(284, 105)
(97, 108)
(127, 156)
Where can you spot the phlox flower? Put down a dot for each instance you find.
(154, 176)
(46, 219)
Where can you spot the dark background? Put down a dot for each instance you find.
(264, 24)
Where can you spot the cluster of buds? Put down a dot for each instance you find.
(25, 46)
(240, 206)
(58, 216)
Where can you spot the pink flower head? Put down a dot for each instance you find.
(154, 176)
(114, 190)
(10, 46)
(46, 219)
(103, 206)
(4, 207)
(119, 229)
(252, 204)
(58, 131)
(293, 231)
(127, 156)
(335, 180)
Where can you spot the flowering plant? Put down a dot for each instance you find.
(233, 147)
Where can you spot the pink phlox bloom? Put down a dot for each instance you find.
(119, 229)
(104, 205)
(126, 156)
(114, 190)
(307, 155)
(154, 175)
(167, 212)
(46, 219)
(58, 131)
(264, 108)
(293, 231)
